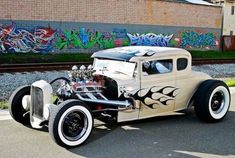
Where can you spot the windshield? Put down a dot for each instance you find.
(113, 66)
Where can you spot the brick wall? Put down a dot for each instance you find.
(146, 12)
(48, 26)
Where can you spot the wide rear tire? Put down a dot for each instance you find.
(212, 101)
(17, 112)
(71, 123)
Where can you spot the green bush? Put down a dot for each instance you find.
(17, 58)
(230, 83)
(3, 104)
(210, 54)
(43, 58)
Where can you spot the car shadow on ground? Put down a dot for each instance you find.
(167, 136)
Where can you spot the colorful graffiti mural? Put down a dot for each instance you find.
(198, 39)
(13, 39)
(88, 39)
(150, 39)
(46, 39)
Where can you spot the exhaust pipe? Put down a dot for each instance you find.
(123, 105)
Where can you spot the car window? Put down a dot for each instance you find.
(182, 64)
(157, 67)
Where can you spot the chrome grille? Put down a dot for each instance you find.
(37, 102)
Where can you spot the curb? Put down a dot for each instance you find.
(232, 90)
(4, 115)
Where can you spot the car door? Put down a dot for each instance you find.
(184, 79)
(157, 83)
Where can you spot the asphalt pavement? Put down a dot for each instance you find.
(169, 136)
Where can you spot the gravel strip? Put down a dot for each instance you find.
(10, 81)
(217, 70)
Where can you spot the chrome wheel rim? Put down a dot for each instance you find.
(217, 102)
(74, 125)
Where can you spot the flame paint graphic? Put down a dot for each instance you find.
(166, 94)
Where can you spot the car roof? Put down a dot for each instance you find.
(132, 53)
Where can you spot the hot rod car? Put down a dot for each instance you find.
(124, 84)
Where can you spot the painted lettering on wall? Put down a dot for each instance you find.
(198, 39)
(88, 38)
(46, 39)
(13, 39)
(150, 39)
(119, 33)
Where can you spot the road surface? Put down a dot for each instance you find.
(169, 136)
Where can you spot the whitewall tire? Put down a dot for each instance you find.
(212, 101)
(71, 123)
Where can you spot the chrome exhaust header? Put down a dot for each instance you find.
(122, 105)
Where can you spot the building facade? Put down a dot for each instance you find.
(87, 25)
(228, 28)
(229, 18)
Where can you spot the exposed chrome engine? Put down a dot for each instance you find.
(82, 74)
(85, 86)
(81, 81)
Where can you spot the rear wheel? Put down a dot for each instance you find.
(212, 101)
(16, 109)
(70, 123)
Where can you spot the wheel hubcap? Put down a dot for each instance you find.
(74, 125)
(217, 102)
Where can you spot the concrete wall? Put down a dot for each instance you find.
(85, 26)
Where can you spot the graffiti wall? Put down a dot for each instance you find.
(15, 38)
(198, 39)
(90, 38)
(150, 39)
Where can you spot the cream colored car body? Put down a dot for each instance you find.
(153, 90)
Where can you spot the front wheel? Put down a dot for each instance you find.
(212, 101)
(70, 123)
(17, 112)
